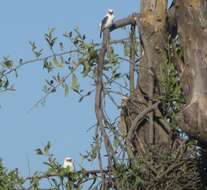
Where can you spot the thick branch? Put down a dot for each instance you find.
(85, 172)
(99, 93)
(134, 125)
(130, 20)
(99, 81)
(132, 59)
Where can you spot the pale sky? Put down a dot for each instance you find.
(63, 120)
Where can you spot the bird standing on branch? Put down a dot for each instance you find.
(68, 163)
(107, 21)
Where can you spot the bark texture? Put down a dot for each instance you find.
(153, 40)
(188, 20)
(191, 17)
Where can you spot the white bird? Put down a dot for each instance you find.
(68, 163)
(107, 21)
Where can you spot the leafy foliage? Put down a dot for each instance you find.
(171, 91)
(129, 176)
(10, 180)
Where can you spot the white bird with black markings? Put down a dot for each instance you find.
(68, 163)
(107, 21)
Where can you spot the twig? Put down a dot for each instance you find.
(99, 93)
(50, 92)
(120, 85)
(37, 60)
(55, 55)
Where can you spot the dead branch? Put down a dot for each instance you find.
(130, 20)
(99, 81)
(132, 59)
(85, 172)
(134, 125)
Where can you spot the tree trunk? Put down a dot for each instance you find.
(153, 40)
(191, 20)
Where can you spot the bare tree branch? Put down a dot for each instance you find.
(132, 59)
(140, 116)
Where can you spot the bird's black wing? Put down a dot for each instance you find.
(103, 22)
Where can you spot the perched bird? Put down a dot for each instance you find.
(107, 21)
(68, 163)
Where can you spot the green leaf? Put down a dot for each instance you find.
(126, 49)
(49, 164)
(47, 148)
(16, 74)
(39, 151)
(78, 188)
(86, 68)
(62, 60)
(6, 84)
(56, 62)
(116, 76)
(8, 63)
(50, 39)
(33, 45)
(61, 46)
(38, 53)
(75, 86)
(47, 65)
(116, 142)
(66, 90)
